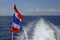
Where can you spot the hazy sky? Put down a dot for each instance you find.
(30, 7)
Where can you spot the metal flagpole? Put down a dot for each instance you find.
(12, 35)
(12, 32)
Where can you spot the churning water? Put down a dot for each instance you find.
(40, 30)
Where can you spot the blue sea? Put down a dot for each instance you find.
(28, 23)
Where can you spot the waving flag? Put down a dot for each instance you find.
(17, 18)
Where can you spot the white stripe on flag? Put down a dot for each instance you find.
(16, 25)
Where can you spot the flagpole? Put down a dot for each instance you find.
(12, 36)
(12, 32)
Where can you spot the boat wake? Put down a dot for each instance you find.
(40, 30)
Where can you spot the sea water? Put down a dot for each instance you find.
(31, 28)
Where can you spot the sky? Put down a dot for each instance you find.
(30, 7)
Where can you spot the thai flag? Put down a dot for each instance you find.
(17, 18)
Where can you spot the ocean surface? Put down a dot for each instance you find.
(30, 27)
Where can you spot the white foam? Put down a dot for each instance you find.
(43, 31)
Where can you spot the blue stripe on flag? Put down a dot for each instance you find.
(16, 20)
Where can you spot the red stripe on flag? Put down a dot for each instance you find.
(19, 14)
(14, 30)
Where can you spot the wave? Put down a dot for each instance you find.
(40, 30)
